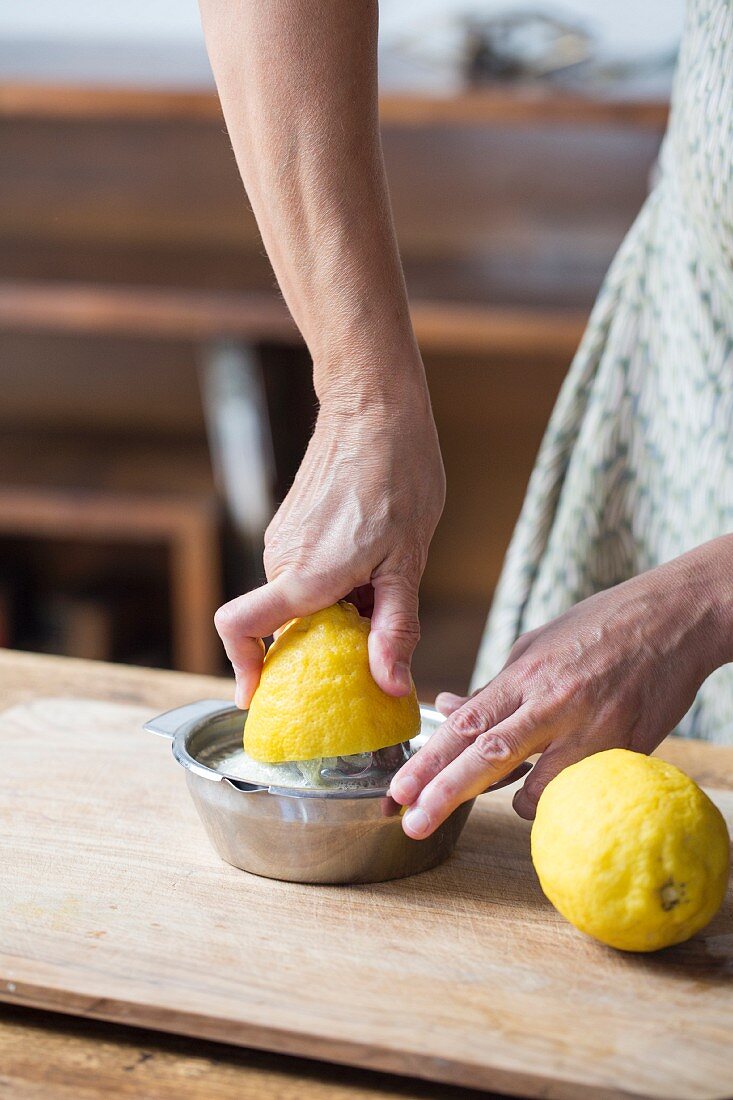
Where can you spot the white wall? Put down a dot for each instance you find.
(625, 27)
(75, 19)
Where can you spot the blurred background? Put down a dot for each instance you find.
(155, 398)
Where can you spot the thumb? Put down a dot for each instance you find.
(244, 622)
(560, 755)
(395, 632)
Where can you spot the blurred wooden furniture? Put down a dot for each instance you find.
(123, 222)
(36, 97)
(133, 499)
(186, 526)
(441, 327)
(454, 323)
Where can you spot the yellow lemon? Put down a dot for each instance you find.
(317, 696)
(630, 850)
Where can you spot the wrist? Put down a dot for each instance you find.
(720, 565)
(709, 585)
(385, 382)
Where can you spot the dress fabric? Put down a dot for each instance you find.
(636, 466)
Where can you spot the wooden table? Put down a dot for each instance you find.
(43, 1055)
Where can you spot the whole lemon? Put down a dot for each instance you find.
(317, 696)
(630, 850)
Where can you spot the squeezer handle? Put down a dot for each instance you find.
(168, 724)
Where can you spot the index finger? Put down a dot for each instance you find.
(498, 701)
(492, 756)
(243, 623)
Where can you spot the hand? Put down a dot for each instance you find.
(618, 670)
(356, 523)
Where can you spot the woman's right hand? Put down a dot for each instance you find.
(356, 523)
(298, 87)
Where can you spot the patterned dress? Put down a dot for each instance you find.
(637, 463)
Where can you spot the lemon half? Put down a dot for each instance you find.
(317, 696)
(630, 850)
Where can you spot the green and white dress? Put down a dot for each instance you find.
(637, 463)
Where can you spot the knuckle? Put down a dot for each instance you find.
(494, 748)
(269, 556)
(580, 686)
(520, 644)
(286, 551)
(405, 564)
(275, 535)
(624, 730)
(405, 627)
(468, 722)
(534, 714)
(544, 668)
(567, 688)
(225, 618)
(271, 530)
(401, 580)
(285, 559)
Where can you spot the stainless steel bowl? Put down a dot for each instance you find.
(293, 833)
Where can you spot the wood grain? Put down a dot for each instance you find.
(28, 676)
(115, 907)
(47, 1057)
(44, 1056)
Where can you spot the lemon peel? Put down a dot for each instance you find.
(317, 696)
(630, 850)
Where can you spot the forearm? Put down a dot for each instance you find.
(298, 86)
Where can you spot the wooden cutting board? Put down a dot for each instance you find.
(113, 905)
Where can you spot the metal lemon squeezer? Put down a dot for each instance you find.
(323, 821)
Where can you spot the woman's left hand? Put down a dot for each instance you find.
(618, 670)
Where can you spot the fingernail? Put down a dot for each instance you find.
(404, 789)
(448, 701)
(416, 822)
(401, 676)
